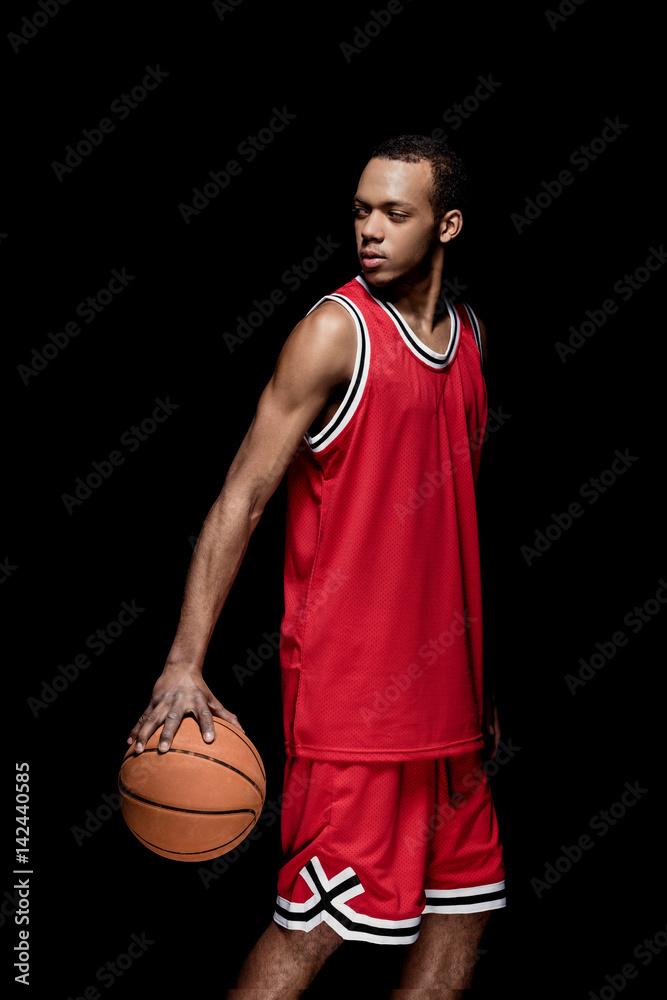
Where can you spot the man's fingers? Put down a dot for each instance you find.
(230, 717)
(222, 713)
(145, 728)
(134, 732)
(172, 721)
(204, 717)
(170, 711)
(171, 724)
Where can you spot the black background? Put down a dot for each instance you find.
(131, 539)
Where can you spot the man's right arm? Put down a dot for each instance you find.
(318, 356)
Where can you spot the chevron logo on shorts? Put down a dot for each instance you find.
(329, 903)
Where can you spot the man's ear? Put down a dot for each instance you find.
(450, 226)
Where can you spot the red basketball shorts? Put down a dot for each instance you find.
(370, 847)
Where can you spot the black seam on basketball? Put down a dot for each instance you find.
(236, 732)
(186, 853)
(245, 742)
(202, 812)
(194, 753)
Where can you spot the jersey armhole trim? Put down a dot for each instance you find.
(474, 322)
(352, 397)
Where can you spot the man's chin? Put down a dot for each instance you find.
(376, 279)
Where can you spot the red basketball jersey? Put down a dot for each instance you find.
(381, 637)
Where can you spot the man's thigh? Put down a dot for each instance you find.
(465, 872)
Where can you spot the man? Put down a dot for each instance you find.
(377, 411)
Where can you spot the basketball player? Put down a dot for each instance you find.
(377, 410)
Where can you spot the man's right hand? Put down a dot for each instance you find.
(179, 691)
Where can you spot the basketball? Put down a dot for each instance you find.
(197, 800)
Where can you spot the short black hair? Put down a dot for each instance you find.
(449, 187)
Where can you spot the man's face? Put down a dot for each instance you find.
(394, 225)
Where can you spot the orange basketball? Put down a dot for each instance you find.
(198, 800)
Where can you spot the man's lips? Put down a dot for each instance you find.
(371, 259)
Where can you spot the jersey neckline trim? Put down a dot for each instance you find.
(431, 358)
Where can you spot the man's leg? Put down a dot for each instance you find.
(284, 962)
(464, 867)
(441, 962)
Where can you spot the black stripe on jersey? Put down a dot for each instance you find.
(327, 902)
(475, 329)
(339, 416)
(440, 360)
(451, 901)
(435, 361)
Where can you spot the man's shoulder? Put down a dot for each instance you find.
(333, 315)
(325, 339)
(329, 319)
